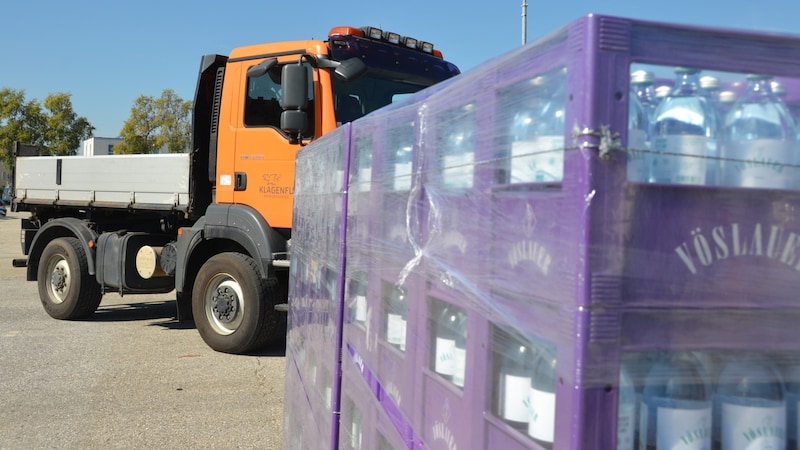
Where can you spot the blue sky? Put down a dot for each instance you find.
(107, 53)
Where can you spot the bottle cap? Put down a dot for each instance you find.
(642, 77)
(727, 97)
(709, 83)
(662, 91)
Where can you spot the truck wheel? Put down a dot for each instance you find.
(66, 288)
(233, 307)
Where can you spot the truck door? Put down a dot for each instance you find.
(264, 158)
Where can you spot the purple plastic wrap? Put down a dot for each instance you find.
(314, 323)
(509, 283)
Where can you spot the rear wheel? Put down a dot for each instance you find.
(66, 288)
(233, 307)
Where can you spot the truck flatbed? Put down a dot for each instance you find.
(150, 182)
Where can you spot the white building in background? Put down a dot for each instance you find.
(99, 146)
(95, 146)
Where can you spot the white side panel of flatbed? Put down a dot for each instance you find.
(123, 181)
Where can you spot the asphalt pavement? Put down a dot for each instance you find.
(130, 376)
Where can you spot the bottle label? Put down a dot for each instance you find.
(542, 424)
(402, 176)
(459, 366)
(538, 160)
(457, 171)
(445, 356)
(361, 308)
(364, 178)
(669, 165)
(355, 434)
(753, 427)
(760, 163)
(625, 426)
(675, 428)
(328, 398)
(516, 398)
(396, 330)
(637, 161)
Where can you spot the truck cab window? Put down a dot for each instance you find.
(374, 90)
(263, 101)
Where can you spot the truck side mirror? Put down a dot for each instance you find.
(350, 69)
(294, 99)
(261, 68)
(295, 87)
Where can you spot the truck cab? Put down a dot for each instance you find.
(252, 133)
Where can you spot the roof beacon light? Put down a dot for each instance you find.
(346, 31)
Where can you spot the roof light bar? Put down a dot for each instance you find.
(386, 36)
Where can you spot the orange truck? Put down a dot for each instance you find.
(213, 224)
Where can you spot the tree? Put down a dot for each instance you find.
(156, 123)
(53, 124)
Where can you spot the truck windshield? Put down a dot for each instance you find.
(354, 99)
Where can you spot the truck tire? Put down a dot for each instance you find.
(66, 288)
(233, 307)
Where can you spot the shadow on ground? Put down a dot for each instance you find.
(131, 312)
(145, 311)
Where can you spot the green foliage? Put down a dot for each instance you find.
(155, 123)
(53, 124)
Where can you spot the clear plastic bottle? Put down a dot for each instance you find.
(396, 310)
(355, 429)
(537, 132)
(541, 426)
(448, 331)
(638, 140)
(626, 411)
(401, 139)
(513, 380)
(761, 148)
(458, 148)
(685, 130)
(643, 85)
(749, 404)
(676, 405)
(712, 87)
(460, 351)
(792, 385)
(358, 300)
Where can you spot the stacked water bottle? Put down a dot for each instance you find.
(696, 133)
(697, 400)
(524, 384)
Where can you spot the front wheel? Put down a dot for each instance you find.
(66, 288)
(233, 307)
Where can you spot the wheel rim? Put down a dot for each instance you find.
(60, 280)
(224, 304)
